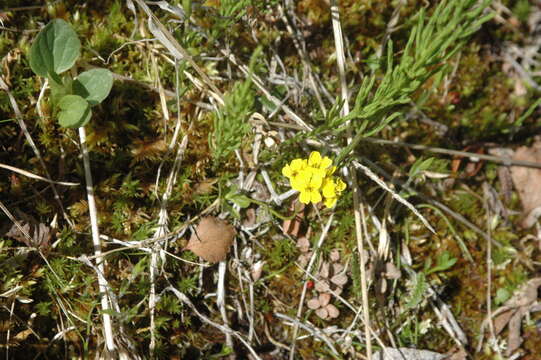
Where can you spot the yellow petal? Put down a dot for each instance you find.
(340, 185)
(286, 171)
(297, 184)
(329, 189)
(331, 170)
(317, 172)
(330, 202)
(298, 164)
(315, 197)
(304, 197)
(325, 163)
(316, 181)
(314, 159)
(304, 176)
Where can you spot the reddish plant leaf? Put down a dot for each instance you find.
(313, 303)
(332, 311)
(324, 299)
(322, 313)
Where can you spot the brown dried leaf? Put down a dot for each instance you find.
(212, 239)
(205, 187)
(501, 321)
(40, 235)
(513, 338)
(148, 149)
(527, 181)
(23, 335)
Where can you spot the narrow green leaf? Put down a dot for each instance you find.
(74, 111)
(55, 49)
(93, 85)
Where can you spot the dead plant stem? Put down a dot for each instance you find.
(107, 324)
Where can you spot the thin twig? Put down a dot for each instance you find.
(486, 191)
(107, 325)
(222, 328)
(471, 156)
(220, 300)
(341, 60)
(37, 177)
(317, 333)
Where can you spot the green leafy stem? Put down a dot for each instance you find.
(54, 51)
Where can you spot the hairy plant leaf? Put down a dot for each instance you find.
(74, 111)
(418, 291)
(55, 49)
(93, 85)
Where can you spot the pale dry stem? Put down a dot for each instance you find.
(104, 298)
(340, 57)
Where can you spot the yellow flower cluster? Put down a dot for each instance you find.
(313, 178)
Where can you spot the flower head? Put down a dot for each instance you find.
(313, 178)
(310, 188)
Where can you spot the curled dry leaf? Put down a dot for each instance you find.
(527, 181)
(510, 315)
(212, 239)
(41, 235)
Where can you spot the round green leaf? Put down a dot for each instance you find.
(55, 49)
(93, 85)
(74, 111)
